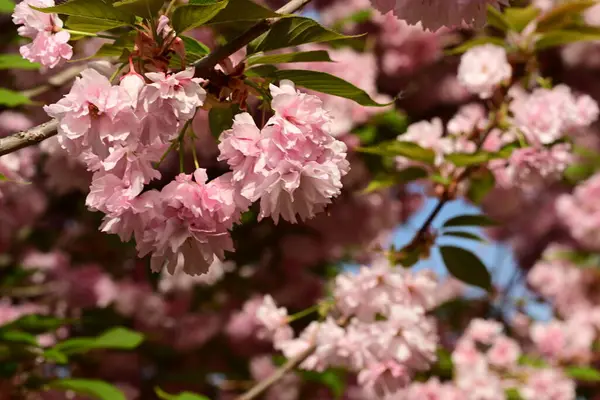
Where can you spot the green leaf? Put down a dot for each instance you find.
(34, 323)
(144, 8)
(6, 6)
(303, 56)
(95, 388)
(393, 120)
(11, 98)
(92, 9)
(519, 17)
(478, 41)
(115, 338)
(3, 178)
(584, 374)
(465, 235)
(18, 337)
(190, 16)
(327, 83)
(572, 35)
(395, 148)
(480, 185)
(293, 31)
(194, 50)
(55, 356)
(468, 159)
(404, 176)
(263, 71)
(496, 19)
(242, 10)
(563, 14)
(181, 396)
(469, 220)
(92, 25)
(513, 394)
(466, 267)
(15, 61)
(220, 119)
(334, 379)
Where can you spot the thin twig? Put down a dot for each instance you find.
(222, 52)
(263, 385)
(204, 66)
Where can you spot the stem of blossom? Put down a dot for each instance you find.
(81, 33)
(41, 132)
(304, 313)
(263, 385)
(196, 164)
(181, 149)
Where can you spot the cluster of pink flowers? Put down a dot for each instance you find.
(542, 118)
(50, 45)
(293, 165)
(381, 332)
(580, 213)
(430, 135)
(547, 115)
(486, 364)
(434, 14)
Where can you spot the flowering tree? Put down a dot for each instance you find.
(207, 207)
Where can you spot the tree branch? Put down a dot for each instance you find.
(220, 53)
(48, 129)
(262, 386)
(27, 138)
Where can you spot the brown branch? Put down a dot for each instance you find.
(263, 385)
(205, 65)
(28, 138)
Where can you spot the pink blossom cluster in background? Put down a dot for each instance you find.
(49, 45)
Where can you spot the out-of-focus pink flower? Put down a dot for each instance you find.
(504, 353)
(547, 115)
(548, 384)
(483, 68)
(274, 319)
(434, 14)
(568, 341)
(581, 214)
(433, 389)
(530, 168)
(469, 118)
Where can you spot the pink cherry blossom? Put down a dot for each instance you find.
(504, 353)
(275, 320)
(93, 114)
(484, 68)
(50, 44)
(433, 389)
(48, 49)
(548, 384)
(531, 168)
(434, 14)
(547, 115)
(581, 214)
(188, 224)
(300, 165)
